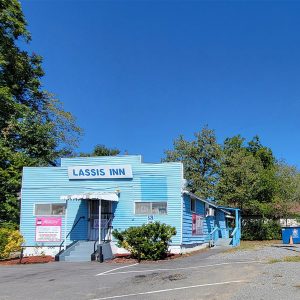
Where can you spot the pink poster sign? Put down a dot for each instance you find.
(197, 224)
(48, 229)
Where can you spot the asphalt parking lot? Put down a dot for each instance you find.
(207, 275)
(194, 277)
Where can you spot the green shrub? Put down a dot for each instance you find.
(261, 229)
(10, 241)
(149, 241)
(9, 225)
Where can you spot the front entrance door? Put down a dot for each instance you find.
(106, 220)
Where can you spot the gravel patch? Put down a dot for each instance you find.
(263, 254)
(276, 281)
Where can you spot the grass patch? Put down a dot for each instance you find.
(274, 261)
(285, 259)
(253, 245)
(292, 259)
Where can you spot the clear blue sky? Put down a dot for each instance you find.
(136, 74)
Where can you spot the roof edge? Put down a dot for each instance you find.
(192, 195)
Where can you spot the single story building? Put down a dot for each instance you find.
(69, 209)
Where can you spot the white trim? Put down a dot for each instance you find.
(203, 200)
(92, 196)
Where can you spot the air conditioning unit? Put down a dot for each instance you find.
(210, 212)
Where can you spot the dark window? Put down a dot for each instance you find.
(193, 205)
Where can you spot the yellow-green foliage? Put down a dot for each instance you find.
(10, 241)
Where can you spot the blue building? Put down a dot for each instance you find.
(79, 203)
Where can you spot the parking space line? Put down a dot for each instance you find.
(174, 269)
(170, 290)
(106, 272)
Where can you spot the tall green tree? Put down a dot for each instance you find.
(249, 177)
(102, 150)
(239, 174)
(200, 158)
(34, 128)
(287, 194)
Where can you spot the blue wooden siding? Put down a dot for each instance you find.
(46, 185)
(167, 181)
(221, 223)
(208, 222)
(99, 160)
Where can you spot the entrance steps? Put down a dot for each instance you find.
(83, 250)
(79, 251)
(224, 242)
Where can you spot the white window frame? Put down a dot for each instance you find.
(151, 213)
(44, 215)
(195, 208)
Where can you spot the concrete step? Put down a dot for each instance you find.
(81, 252)
(79, 255)
(73, 259)
(223, 242)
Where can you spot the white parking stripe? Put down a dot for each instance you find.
(170, 290)
(175, 269)
(106, 272)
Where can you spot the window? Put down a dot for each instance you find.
(159, 208)
(193, 205)
(150, 208)
(52, 209)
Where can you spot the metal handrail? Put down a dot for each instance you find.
(234, 232)
(82, 217)
(95, 246)
(106, 227)
(214, 230)
(211, 234)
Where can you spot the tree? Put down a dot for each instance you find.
(249, 177)
(34, 128)
(200, 159)
(287, 195)
(239, 174)
(102, 150)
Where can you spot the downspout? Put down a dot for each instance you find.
(66, 218)
(99, 237)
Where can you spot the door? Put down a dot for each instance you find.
(93, 220)
(106, 220)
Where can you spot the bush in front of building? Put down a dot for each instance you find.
(261, 229)
(146, 242)
(10, 241)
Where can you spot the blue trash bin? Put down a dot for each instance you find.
(293, 232)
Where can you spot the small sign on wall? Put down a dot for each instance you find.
(104, 223)
(48, 229)
(150, 219)
(197, 224)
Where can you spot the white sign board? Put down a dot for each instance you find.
(48, 229)
(96, 172)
